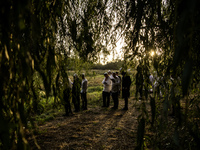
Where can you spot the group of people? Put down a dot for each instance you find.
(113, 84)
(75, 87)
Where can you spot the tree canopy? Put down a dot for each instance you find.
(37, 38)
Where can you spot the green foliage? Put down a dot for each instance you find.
(88, 27)
(26, 47)
(41, 40)
(108, 66)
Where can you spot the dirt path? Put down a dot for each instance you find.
(96, 129)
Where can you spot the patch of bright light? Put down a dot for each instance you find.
(152, 53)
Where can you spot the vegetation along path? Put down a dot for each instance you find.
(96, 128)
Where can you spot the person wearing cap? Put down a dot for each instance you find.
(84, 92)
(115, 89)
(126, 83)
(76, 93)
(106, 90)
(109, 73)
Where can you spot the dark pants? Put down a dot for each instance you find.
(126, 95)
(115, 99)
(67, 105)
(84, 101)
(76, 101)
(126, 103)
(139, 89)
(141, 92)
(106, 99)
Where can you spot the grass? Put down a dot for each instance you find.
(94, 95)
(95, 89)
(94, 98)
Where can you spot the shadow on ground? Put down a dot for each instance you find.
(96, 129)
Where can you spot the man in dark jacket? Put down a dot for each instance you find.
(67, 96)
(126, 83)
(76, 92)
(139, 82)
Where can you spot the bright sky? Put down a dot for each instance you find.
(118, 53)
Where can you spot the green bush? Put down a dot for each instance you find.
(109, 66)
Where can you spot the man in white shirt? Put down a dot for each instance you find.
(106, 90)
(151, 79)
(115, 89)
(84, 92)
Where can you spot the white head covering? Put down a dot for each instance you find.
(75, 75)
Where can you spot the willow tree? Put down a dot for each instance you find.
(88, 26)
(27, 45)
(34, 34)
(171, 29)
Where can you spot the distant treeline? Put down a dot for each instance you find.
(108, 66)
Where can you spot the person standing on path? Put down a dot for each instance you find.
(115, 90)
(66, 84)
(152, 80)
(67, 96)
(126, 83)
(117, 74)
(84, 92)
(139, 82)
(76, 92)
(106, 90)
